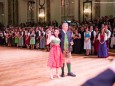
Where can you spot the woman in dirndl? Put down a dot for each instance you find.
(102, 51)
(87, 41)
(16, 38)
(32, 39)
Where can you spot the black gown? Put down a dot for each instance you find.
(77, 45)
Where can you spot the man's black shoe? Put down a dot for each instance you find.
(71, 74)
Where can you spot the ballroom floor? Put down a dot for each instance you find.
(22, 67)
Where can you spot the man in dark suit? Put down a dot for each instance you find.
(66, 47)
(106, 78)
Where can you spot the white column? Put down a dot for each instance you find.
(5, 15)
(81, 9)
(114, 8)
(76, 9)
(22, 11)
(6, 12)
(56, 10)
(93, 9)
(35, 16)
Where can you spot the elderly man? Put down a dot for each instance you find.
(66, 47)
(106, 78)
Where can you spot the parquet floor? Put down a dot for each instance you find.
(22, 67)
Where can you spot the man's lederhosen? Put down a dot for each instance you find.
(66, 46)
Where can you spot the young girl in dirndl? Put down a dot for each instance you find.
(55, 59)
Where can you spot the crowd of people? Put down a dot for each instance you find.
(91, 37)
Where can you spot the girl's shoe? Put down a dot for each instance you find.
(58, 76)
(51, 77)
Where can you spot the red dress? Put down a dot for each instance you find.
(27, 40)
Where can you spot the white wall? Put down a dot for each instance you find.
(107, 9)
(5, 17)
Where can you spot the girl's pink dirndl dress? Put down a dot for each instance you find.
(55, 59)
